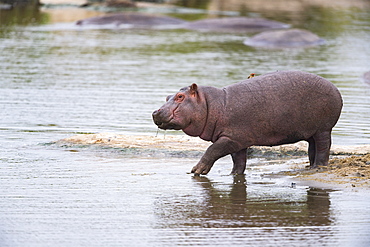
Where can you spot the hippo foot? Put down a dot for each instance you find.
(320, 166)
(237, 172)
(201, 169)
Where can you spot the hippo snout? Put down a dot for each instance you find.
(156, 117)
(156, 112)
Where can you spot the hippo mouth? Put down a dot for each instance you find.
(164, 121)
(167, 124)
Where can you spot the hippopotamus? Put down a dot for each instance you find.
(267, 110)
(235, 24)
(291, 38)
(366, 77)
(133, 19)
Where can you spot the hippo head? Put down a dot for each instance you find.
(185, 110)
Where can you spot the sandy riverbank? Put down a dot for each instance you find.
(183, 142)
(349, 166)
(343, 172)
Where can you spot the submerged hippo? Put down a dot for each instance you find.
(133, 19)
(268, 110)
(366, 77)
(284, 39)
(241, 24)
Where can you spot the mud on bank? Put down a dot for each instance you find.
(349, 166)
(343, 171)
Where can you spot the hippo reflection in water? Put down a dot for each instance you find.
(229, 205)
(284, 39)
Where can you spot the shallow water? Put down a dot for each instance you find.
(58, 80)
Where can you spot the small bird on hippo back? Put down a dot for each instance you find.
(273, 109)
(251, 75)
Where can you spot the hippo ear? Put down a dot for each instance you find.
(194, 90)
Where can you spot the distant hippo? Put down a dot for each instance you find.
(268, 110)
(284, 39)
(133, 19)
(238, 24)
(366, 77)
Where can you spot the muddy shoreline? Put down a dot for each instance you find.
(349, 166)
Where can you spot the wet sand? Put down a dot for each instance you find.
(349, 166)
(343, 172)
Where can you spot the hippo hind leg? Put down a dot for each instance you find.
(319, 149)
(311, 150)
(239, 160)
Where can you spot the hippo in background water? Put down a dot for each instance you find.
(291, 38)
(132, 20)
(235, 24)
(366, 77)
(273, 109)
(228, 24)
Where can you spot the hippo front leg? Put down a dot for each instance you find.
(223, 146)
(240, 161)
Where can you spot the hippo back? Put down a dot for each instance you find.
(280, 104)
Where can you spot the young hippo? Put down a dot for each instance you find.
(273, 109)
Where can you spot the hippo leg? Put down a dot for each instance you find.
(239, 160)
(322, 145)
(223, 146)
(311, 151)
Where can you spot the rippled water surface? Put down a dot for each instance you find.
(58, 80)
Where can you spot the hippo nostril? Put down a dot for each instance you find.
(156, 112)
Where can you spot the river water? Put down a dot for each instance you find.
(58, 80)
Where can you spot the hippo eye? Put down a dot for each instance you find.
(180, 97)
